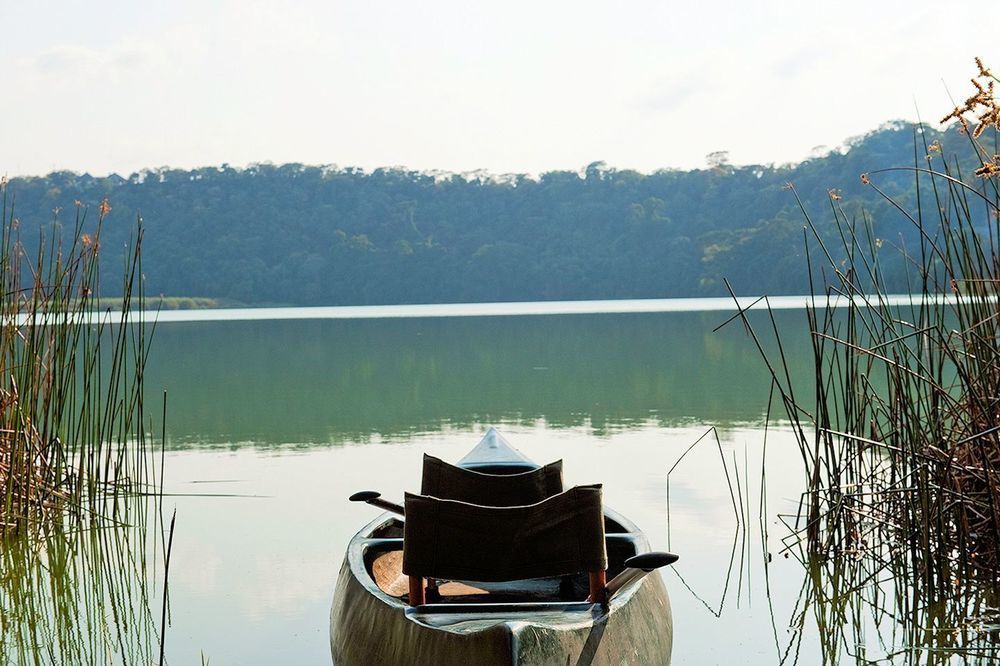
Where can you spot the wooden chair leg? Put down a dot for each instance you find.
(416, 590)
(432, 595)
(598, 588)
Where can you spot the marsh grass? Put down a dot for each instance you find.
(78, 472)
(71, 419)
(899, 434)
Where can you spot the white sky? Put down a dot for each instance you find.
(457, 85)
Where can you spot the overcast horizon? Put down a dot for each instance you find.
(110, 87)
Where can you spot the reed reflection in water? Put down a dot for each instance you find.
(869, 612)
(84, 593)
(866, 606)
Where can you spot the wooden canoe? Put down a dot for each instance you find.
(481, 624)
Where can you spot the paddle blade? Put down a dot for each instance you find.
(650, 561)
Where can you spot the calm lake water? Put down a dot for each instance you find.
(273, 422)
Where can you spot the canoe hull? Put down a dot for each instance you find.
(372, 628)
(364, 629)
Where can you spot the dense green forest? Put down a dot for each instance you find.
(297, 234)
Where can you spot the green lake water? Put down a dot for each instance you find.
(272, 423)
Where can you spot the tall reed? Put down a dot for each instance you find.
(71, 412)
(899, 433)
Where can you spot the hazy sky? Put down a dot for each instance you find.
(119, 85)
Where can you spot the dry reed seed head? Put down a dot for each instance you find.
(956, 113)
(864, 179)
(105, 207)
(86, 240)
(983, 71)
(983, 104)
(834, 194)
(988, 118)
(988, 170)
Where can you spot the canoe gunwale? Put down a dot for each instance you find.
(506, 608)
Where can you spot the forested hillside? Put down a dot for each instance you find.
(296, 234)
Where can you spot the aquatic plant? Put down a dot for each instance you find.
(867, 611)
(71, 435)
(78, 474)
(899, 433)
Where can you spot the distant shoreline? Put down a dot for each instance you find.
(533, 308)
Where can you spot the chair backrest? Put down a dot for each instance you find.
(446, 481)
(561, 535)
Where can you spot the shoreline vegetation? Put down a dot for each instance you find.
(78, 469)
(305, 235)
(900, 432)
(175, 303)
(71, 410)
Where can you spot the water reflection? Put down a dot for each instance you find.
(80, 595)
(617, 396)
(865, 611)
(321, 381)
(754, 582)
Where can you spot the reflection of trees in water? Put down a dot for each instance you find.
(82, 594)
(275, 382)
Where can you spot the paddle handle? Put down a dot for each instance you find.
(375, 499)
(387, 505)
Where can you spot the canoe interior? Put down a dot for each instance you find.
(383, 559)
